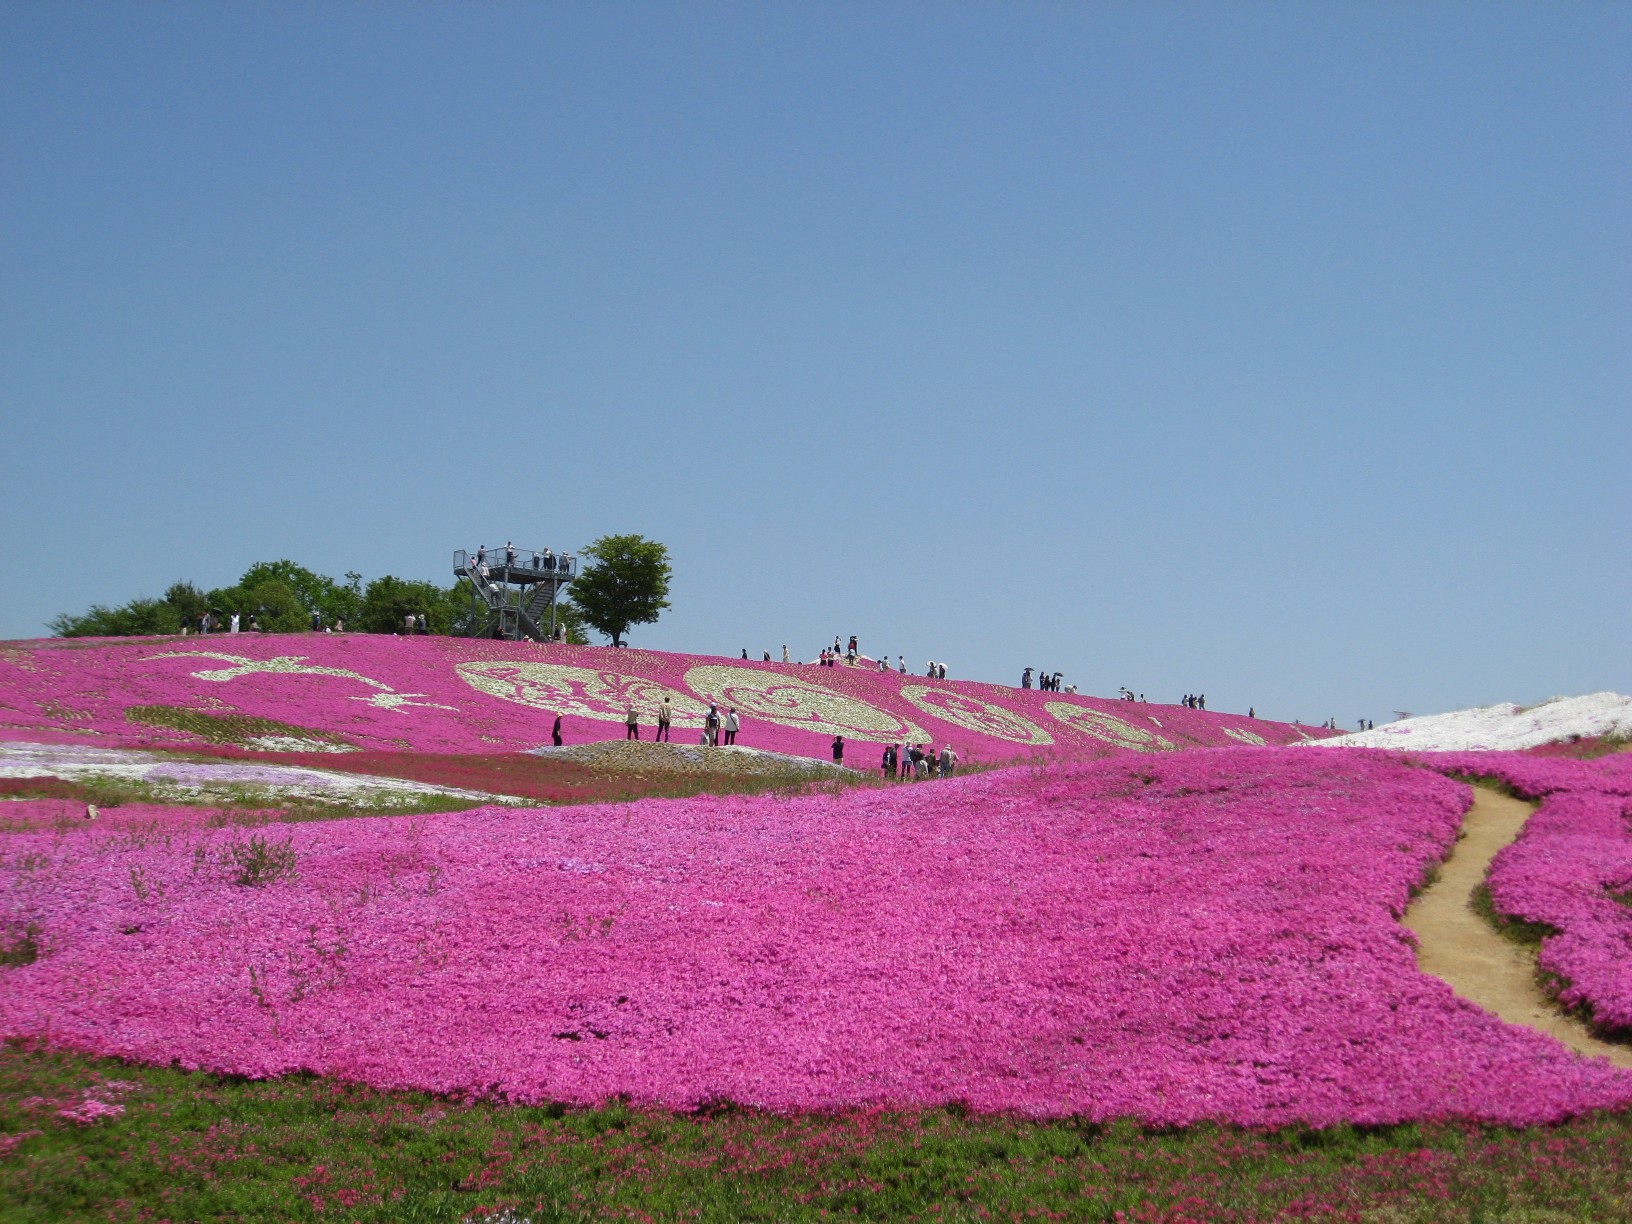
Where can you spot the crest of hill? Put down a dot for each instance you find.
(456, 695)
(1502, 728)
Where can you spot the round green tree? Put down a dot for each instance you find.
(627, 583)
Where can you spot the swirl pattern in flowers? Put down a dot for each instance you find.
(1107, 727)
(978, 716)
(798, 703)
(583, 691)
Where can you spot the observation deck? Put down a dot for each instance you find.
(514, 590)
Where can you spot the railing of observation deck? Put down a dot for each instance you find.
(516, 564)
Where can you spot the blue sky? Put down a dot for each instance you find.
(1279, 352)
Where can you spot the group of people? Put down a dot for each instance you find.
(217, 622)
(916, 761)
(715, 724)
(1047, 682)
(1194, 701)
(213, 622)
(851, 654)
(1365, 724)
(830, 658)
(545, 561)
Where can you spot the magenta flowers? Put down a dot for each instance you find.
(457, 695)
(1168, 937)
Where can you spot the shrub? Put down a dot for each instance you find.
(259, 861)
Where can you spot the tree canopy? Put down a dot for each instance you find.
(281, 597)
(626, 584)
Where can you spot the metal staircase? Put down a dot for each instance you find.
(514, 590)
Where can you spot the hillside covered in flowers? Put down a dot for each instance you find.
(1100, 926)
(434, 694)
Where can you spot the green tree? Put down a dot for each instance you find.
(138, 618)
(189, 602)
(627, 584)
(388, 600)
(271, 601)
(331, 600)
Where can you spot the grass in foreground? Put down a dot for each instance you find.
(194, 1146)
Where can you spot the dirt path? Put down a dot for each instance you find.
(1459, 947)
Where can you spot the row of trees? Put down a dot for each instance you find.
(626, 584)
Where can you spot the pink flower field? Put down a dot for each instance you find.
(1172, 937)
(435, 694)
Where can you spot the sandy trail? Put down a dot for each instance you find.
(1459, 947)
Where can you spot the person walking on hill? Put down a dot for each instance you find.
(785, 657)
(732, 725)
(711, 725)
(555, 732)
(665, 714)
(838, 750)
(888, 764)
(631, 723)
(901, 664)
(948, 760)
(1025, 678)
